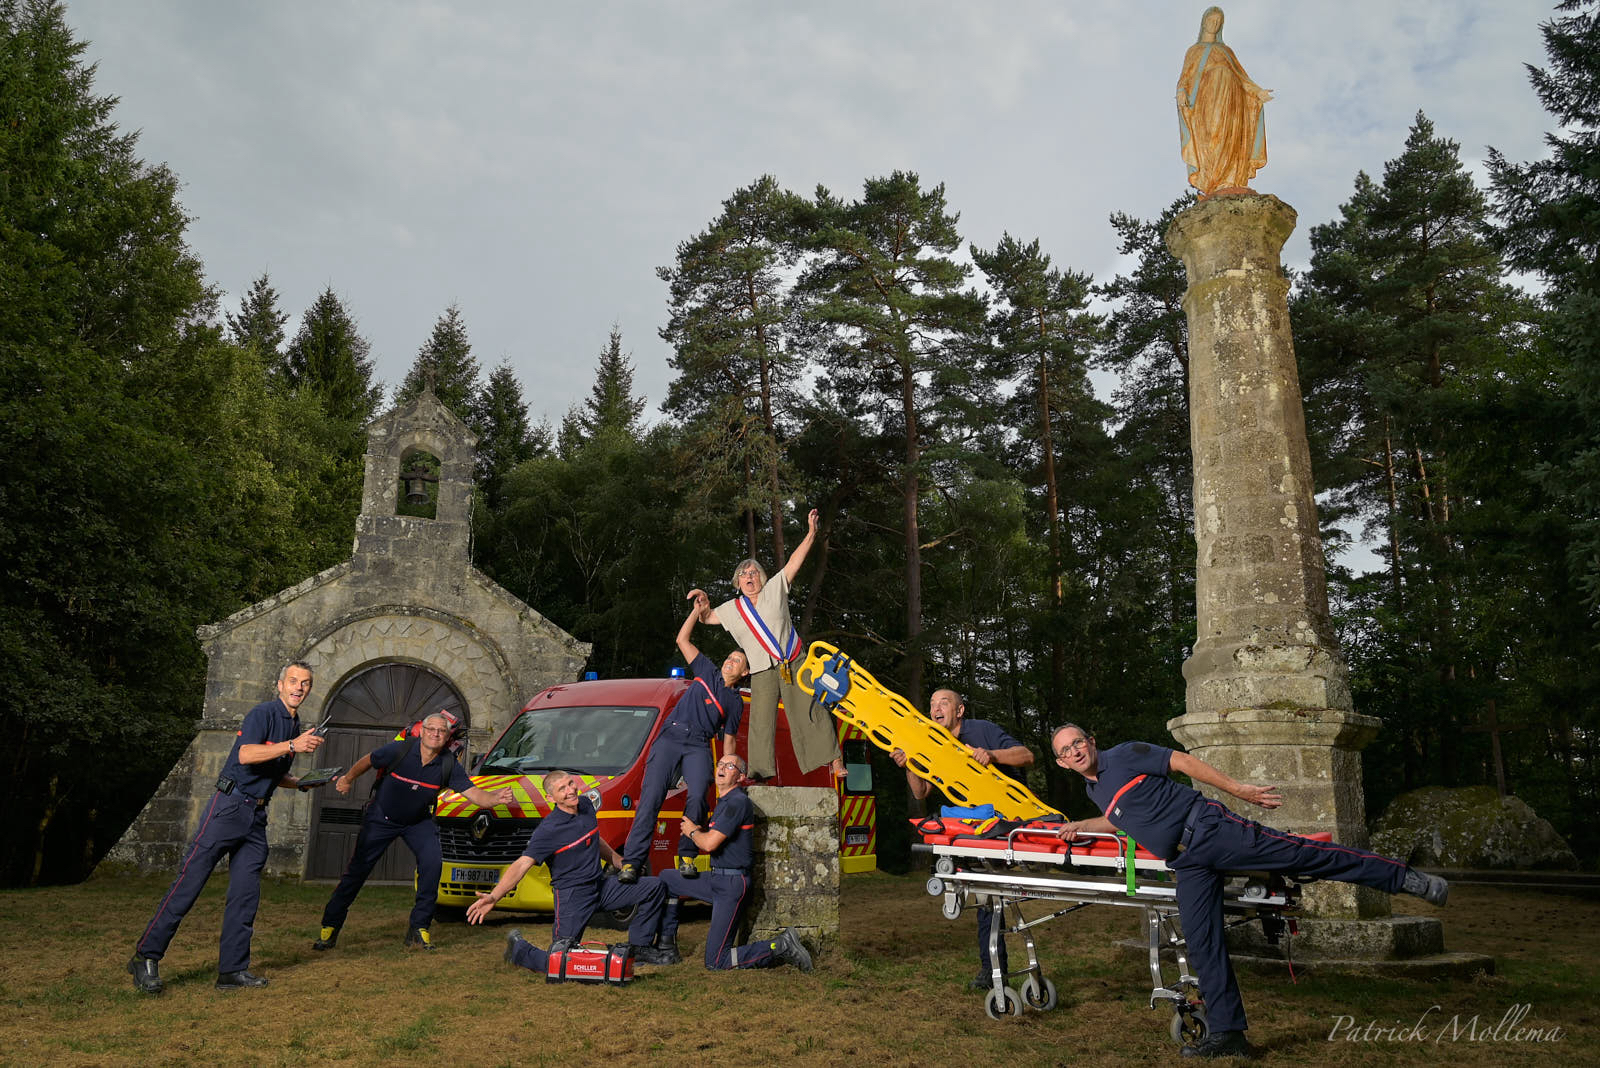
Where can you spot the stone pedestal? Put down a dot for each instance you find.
(1268, 696)
(795, 879)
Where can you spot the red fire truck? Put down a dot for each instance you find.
(602, 731)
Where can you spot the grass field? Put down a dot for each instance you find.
(895, 993)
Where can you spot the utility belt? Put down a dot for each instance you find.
(741, 872)
(226, 785)
(1189, 822)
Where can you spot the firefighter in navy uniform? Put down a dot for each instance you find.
(414, 771)
(568, 841)
(728, 840)
(234, 825)
(711, 704)
(1201, 840)
(989, 744)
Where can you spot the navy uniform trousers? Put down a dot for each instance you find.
(661, 770)
(727, 889)
(1217, 840)
(986, 920)
(234, 826)
(576, 904)
(378, 832)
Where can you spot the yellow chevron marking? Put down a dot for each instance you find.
(890, 722)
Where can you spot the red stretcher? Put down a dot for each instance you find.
(1001, 866)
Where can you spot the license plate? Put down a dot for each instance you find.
(856, 838)
(474, 875)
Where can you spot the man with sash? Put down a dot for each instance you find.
(758, 619)
(712, 704)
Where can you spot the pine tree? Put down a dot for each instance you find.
(260, 323)
(330, 358)
(1550, 210)
(1045, 337)
(902, 334)
(611, 404)
(1406, 330)
(505, 438)
(728, 323)
(445, 364)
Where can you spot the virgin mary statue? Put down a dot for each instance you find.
(1220, 120)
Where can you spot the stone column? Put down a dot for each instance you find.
(795, 878)
(1268, 696)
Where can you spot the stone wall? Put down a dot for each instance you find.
(409, 593)
(795, 882)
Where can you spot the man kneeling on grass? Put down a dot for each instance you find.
(568, 841)
(728, 842)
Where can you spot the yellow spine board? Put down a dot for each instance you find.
(890, 722)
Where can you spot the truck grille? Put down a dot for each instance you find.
(504, 842)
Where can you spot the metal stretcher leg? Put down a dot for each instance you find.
(1188, 1024)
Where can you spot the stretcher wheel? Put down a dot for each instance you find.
(1002, 1002)
(1039, 993)
(944, 866)
(952, 907)
(1188, 1025)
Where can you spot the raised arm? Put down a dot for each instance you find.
(347, 781)
(1200, 771)
(685, 646)
(792, 567)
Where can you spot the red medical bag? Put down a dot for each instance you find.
(592, 962)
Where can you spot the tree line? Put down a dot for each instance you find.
(991, 521)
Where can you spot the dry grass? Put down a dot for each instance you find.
(894, 994)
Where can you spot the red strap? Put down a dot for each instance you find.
(713, 696)
(414, 782)
(579, 841)
(1130, 784)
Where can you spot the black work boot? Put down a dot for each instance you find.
(628, 875)
(145, 976)
(419, 938)
(1220, 1044)
(1430, 888)
(237, 980)
(788, 948)
(327, 938)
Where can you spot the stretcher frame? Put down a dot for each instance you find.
(1032, 864)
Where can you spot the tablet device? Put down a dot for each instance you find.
(319, 777)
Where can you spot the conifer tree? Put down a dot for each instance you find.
(445, 363)
(729, 321)
(902, 335)
(331, 359)
(505, 438)
(259, 323)
(611, 404)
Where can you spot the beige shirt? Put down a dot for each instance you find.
(772, 605)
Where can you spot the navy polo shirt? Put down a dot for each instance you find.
(980, 734)
(569, 843)
(734, 818)
(709, 707)
(265, 724)
(407, 793)
(1153, 810)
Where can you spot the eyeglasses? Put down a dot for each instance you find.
(727, 764)
(748, 571)
(436, 730)
(1073, 747)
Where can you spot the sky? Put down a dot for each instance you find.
(534, 163)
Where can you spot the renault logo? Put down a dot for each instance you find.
(480, 827)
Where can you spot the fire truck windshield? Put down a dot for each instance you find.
(589, 739)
